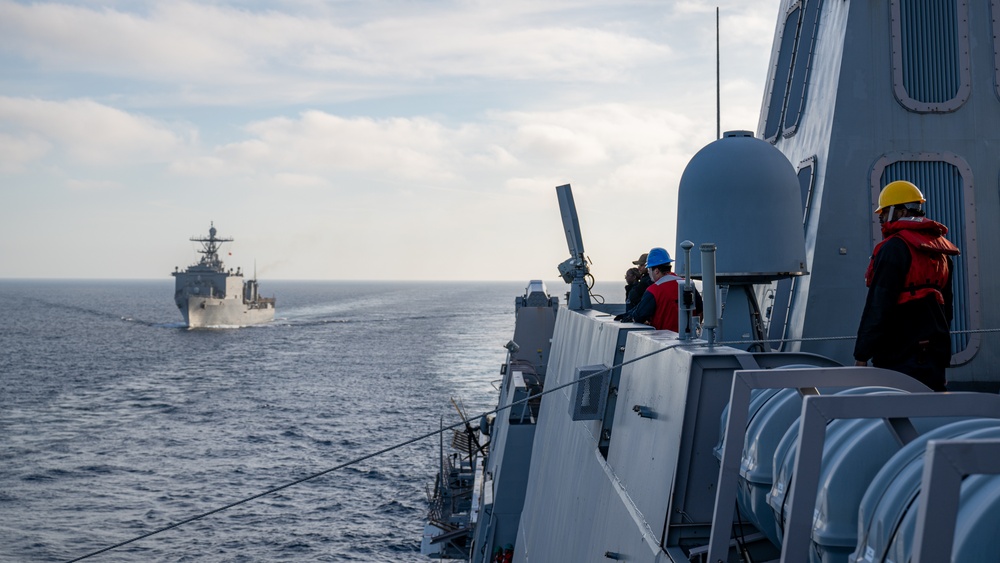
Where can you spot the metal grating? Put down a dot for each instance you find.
(930, 54)
(591, 393)
(943, 186)
(463, 441)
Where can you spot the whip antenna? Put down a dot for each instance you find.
(718, 95)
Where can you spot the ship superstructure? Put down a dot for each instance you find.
(863, 93)
(750, 436)
(209, 295)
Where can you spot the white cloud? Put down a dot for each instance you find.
(112, 41)
(297, 181)
(559, 145)
(442, 123)
(482, 46)
(610, 132)
(17, 152)
(240, 54)
(316, 145)
(204, 167)
(89, 132)
(320, 143)
(614, 146)
(93, 185)
(535, 185)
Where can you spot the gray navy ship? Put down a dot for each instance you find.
(750, 435)
(209, 295)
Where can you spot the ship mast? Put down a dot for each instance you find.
(210, 248)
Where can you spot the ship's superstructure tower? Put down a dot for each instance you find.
(210, 250)
(864, 93)
(208, 277)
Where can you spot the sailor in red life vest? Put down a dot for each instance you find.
(907, 315)
(658, 305)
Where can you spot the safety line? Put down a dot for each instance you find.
(690, 343)
(267, 492)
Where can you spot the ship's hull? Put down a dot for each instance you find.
(207, 312)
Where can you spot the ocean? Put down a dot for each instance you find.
(115, 420)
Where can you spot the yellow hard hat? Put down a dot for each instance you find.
(898, 193)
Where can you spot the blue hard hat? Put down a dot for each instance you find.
(658, 257)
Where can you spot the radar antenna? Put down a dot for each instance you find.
(210, 248)
(575, 270)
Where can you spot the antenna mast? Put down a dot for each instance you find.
(718, 96)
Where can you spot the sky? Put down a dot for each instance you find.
(359, 140)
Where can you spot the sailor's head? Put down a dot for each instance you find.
(899, 199)
(641, 263)
(658, 262)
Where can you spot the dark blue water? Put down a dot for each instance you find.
(115, 421)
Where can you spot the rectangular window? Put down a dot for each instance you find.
(790, 74)
(796, 98)
(781, 74)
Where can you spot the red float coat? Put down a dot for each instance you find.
(908, 310)
(665, 292)
(929, 272)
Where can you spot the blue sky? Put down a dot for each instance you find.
(358, 140)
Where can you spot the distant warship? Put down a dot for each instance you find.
(208, 295)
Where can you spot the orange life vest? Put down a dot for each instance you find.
(928, 272)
